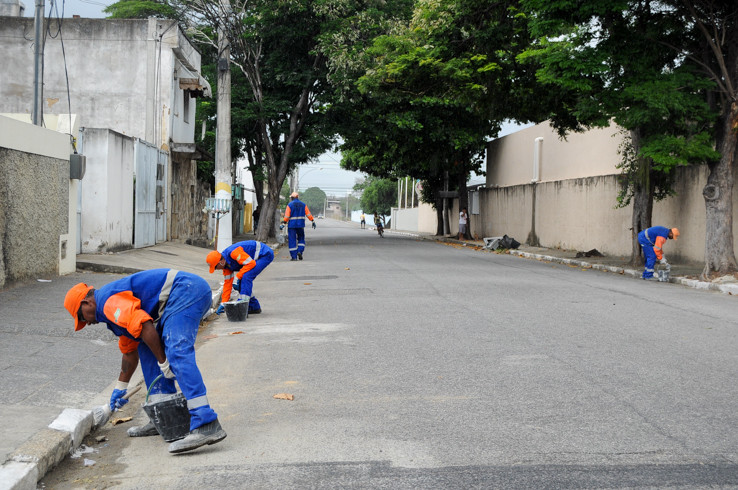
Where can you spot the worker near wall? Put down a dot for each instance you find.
(242, 261)
(294, 216)
(652, 241)
(156, 315)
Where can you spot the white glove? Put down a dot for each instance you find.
(243, 297)
(165, 369)
(663, 261)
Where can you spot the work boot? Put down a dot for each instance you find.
(143, 430)
(205, 434)
(293, 258)
(254, 311)
(299, 255)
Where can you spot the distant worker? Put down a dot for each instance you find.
(156, 315)
(294, 216)
(363, 221)
(255, 215)
(244, 261)
(652, 240)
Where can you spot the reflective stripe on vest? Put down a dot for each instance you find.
(166, 289)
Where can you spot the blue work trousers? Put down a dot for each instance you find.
(650, 256)
(296, 241)
(266, 255)
(189, 300)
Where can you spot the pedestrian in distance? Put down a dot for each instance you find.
(463, 217)
(379, 223)
(294, 216)
(652, 241)
(363, 221)
(242, 261)
(156, 315)
(255, 216)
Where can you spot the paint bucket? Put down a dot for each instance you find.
(170, 416)
(236, 311)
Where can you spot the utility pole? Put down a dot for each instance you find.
(38, 64)
(223, 178)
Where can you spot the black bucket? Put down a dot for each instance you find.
(236, 311)
(170, 416)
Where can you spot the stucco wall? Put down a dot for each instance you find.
(510, 159)
(107, 191)
(34, 209)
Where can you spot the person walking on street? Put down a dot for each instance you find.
(156, 315)
(379, 223)
(652, 241)
(255, 216)
(363, 221)
(294, 216)
(244, 261)
(463, 217)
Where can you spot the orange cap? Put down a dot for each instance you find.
(212, 259)
(73, 300)
(675, 233)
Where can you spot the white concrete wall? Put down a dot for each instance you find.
(107, 191)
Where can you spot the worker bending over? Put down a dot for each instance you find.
(156, 315)
(652, 241)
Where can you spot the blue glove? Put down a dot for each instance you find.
(313, 225)
(236, 284)
(221, 309)
(281, 227)
(117, 400)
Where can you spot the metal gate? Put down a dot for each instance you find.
(161, 196)
(144, 199)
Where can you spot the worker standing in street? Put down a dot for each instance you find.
(156, 315)
(294, 216)
(652, 241)
(242, 261)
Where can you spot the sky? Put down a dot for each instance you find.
(83, 8)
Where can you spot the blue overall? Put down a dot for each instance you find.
(263, 258)
(296, 227)
(189, 298)
(647, 239)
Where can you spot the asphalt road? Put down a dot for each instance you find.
(416, 364)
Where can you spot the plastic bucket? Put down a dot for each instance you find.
(663, 275)
(236, 311)
(170, 416)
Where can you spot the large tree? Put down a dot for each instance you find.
(611, 55)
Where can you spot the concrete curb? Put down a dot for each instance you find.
(729, 288)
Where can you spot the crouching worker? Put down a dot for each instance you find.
(156, 315)
(652, 241)
(242, 261)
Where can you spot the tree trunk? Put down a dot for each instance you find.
(464, 201)
(642, 200)
(718, 194)
(439, 217)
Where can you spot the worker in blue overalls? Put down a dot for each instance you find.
(156, 315)
(294, 216)
(242, 261)
(652, 241)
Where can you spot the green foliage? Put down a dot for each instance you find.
(315, 199)
(378, 195)
(140, 9)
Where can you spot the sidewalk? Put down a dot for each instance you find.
(685, 274)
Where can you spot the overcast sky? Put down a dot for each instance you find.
(83, 8)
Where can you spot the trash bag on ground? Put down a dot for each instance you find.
(508, 242)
